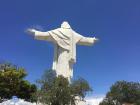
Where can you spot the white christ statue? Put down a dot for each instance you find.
(65, 40)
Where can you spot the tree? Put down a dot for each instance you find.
(12, 83)
(58, 91)
(123, 92)
(107, 102)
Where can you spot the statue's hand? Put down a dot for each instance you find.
(31, 31)
(96, 39)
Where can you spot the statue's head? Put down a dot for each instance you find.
(66, 25)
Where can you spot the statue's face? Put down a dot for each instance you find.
(65, 25)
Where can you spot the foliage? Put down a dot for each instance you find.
(123, 92)
(58, 90)
(12, 83)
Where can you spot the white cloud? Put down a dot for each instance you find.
(94, 100)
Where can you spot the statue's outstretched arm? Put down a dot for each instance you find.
(40, 35)
(85, 40)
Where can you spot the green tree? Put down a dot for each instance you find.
(12, 83)
(123, 92)
(58, 91)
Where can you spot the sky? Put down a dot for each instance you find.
(115, 22)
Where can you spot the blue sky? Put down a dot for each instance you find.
(115, 22)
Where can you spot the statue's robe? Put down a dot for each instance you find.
(65, 41)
